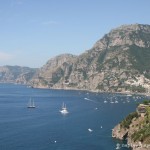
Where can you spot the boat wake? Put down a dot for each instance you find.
(87, 99)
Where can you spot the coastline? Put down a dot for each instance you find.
(78, 89)
(135, 128)
(96, 91)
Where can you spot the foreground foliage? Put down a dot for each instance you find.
(127, 121)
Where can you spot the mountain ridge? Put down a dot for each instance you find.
(118, 62)
(16, 74)
(112, 64)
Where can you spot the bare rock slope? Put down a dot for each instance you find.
(118, 62)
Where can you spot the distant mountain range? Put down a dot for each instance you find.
(118, 62)
(16, 74)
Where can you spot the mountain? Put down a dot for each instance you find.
(56, 71)
(16, 74)
(118, 62)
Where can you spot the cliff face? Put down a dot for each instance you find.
(16, 74)
(116, 63)
(55, 72)
(136, 128)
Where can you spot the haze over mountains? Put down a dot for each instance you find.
(118, 62)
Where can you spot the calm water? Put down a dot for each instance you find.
(44, 128)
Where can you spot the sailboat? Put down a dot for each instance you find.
(31, 104)
(64, 109)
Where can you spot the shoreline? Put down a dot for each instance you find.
(94, 91)
(76, 89)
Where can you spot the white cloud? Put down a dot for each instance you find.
(6, 56)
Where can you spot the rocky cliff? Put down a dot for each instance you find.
(16, 74)
(135, 128)
(55, 73)
(118, 62)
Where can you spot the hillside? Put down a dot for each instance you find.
(16, 74)
(55, 71)
(118, 62)
(135, 128)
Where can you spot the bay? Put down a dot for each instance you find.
(45, 128)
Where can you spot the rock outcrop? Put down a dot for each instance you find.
(55, 73)
(135, 128)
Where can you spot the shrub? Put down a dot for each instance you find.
(127, 121)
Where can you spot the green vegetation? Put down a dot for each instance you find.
(140, 35)
(89, 60)
(139, 89)
(83, 72)
(146, 102)
(73, 84)
(69, 72)
(43, 81)
(85, 75)
(127, 121)
(141, 126)
(57, 75)
(148, 115)
(133, 88)
(121, 33)
(102, 57)
(112, 62)
(100, 87)
(147, 75)
(99, 67)
(140, 58)
(123, 64)
(143, 134)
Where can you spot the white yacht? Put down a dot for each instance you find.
(31, 104)
(64, 109)
(105, 101)
(116, 101)
(90, 130)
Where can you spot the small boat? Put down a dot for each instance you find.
(116, 101)
(31, 104)
(90, 130)
(64, 109)
(118, 146)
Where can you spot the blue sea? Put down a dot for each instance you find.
(45, 128)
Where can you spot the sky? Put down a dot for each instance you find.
(33, 31)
